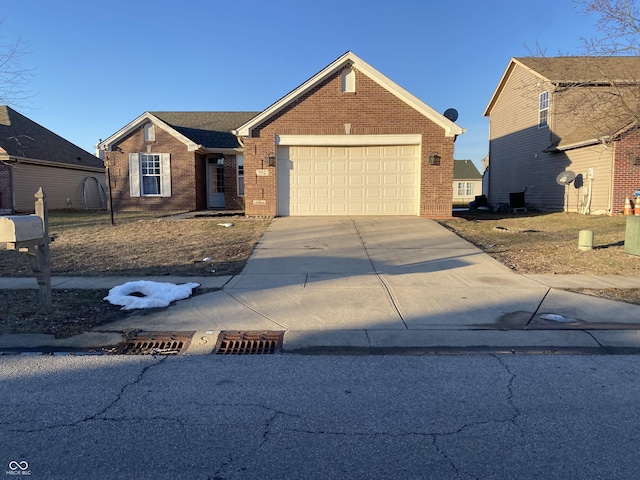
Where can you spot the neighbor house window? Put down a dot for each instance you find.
(543, 117)
(465, 189)
(149, 174)
(240, 174)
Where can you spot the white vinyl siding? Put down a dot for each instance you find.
(149, 174)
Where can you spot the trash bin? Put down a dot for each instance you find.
(632, 236)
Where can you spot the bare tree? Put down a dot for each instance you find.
(14, 78)
(617, 24)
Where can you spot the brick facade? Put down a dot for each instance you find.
(188, 175)
(371, 110)
(626, 169)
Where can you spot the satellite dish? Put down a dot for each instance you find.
(451, 114)
(565, 178)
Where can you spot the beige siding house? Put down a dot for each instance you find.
(32, 157)
(565, 114)
(467, 182)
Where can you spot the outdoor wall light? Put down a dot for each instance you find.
(269, 160)
(434, 159)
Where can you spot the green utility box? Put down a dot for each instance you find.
(632, 236)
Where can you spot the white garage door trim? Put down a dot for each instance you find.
(322, 178)
(348, 140)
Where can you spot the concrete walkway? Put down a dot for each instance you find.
(380, 284)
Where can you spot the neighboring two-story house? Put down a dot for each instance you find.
(566, 114)
(347, 141)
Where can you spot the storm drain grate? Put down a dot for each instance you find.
(157, 343)
(249, 343)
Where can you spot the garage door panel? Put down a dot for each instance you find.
(368, 180)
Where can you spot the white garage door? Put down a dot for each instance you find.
(348, 180)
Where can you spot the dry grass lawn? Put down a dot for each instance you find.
(141, 245)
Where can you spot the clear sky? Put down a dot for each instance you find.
(100, 64)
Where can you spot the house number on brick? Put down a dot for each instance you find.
(263, 172)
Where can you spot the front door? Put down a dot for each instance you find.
(215, 183)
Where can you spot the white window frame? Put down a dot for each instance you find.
(465, 189)
(136, 175)
(240, 175)
(543, 110)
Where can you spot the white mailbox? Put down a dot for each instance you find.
(20, 228)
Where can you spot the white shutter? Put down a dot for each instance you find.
(165, 172)
(134, 174)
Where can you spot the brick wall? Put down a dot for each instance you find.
(187, 174)
(371, 110)
(626, 175)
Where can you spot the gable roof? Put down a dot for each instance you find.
(349, 58)
(465, 169)
(583, 71)
(197, 130)
(590, 78)
(209, 129)
(24, 139)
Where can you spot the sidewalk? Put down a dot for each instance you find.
(377, 285)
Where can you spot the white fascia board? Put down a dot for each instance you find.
(137, 123)
(348, 140)
(451, 129)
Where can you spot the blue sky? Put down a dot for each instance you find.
(100, 64)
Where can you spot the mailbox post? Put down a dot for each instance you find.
(29, 234)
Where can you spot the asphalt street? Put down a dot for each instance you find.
(294, 416)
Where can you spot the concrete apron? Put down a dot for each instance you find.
(355, 279)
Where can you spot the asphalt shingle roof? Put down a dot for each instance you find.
(585, 70)
(465, 170)
(209, 129)
(24, 138)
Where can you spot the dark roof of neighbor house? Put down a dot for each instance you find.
(209, 129)
(21, 137)
(465, 170)
(585, 69)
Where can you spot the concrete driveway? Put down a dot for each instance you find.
(357, 273)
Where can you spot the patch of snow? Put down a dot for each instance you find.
(156, 294)
(226, 224)
(557, 318)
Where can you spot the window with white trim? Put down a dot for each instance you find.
(149, 175)
(465, 189)
(543, 111)
(240, 174)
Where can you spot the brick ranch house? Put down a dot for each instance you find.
(348, 141)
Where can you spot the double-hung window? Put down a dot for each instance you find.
(543, 111)
(465, 189)
(149, 175)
